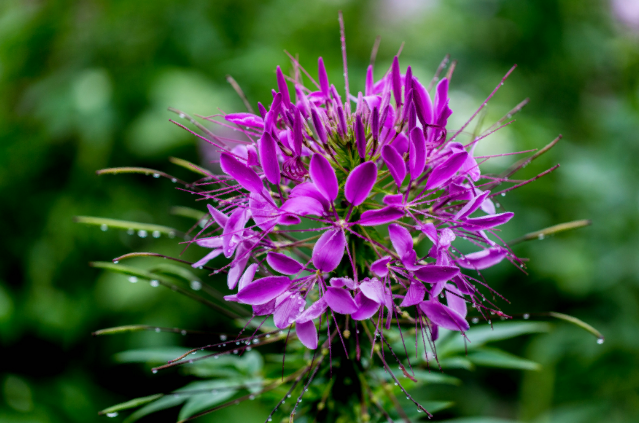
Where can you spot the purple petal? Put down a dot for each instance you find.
(395, 164)
(236, 269)
(283, 264)
(211, 242)
(329, 250)
(339, 300)
(245, 119)
(444, 316)
(471, 206)
(263, 213)
(408, 85)
(366, 307)
(247, 277)
(488, 206)
(414, 295)
(287, 311)
(323, 77)
(271, 117)
(375, 123)
(446, 170)
(400, 238)
(446, 237)
(380, 267)
(433, 273)
(219, 217)
(341, 282)
(487, 222)
(319, 126)
(268, 157)
(423, 103)
(281, 85)
(298, 136)
(430, 231)
(262, 109)
(369, 80)
(307, 334)
(434, 331)
(417, 154)
(394, 200)
(232, 233)
(360, 182)
(396, 81)
(408, 260)
(243, 174)
(455, 300)
(375, 290)
(308, 189)
(442, 111)
(264, 290)
(303, 206)
(483, 259)
(210, 256)
(360, 137)
(401, 143)
(314, 311)
(381, 216)
(323, 177)
(263, 309)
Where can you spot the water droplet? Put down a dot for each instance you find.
(130, 231)
(600, 341)
(142, 233)
(216, 357)
(173, 180)
(489, 322)
(183, 332)
(196, 285)
(133, 279)
(503, 194)
(526, 316)
(104, 227)
(270, 419)
(116, 261)
(248, 348)
(156, 175)
(155, 283)
(156, 234)
(475, 320)
(541, 236)
(237, 343)
(418, 409)
(255, 341)
(158, 329)
(268, 335)
(171, 234)
(395, 383)
(154, 371)
(222, 337)
(114, 414)
(190, 361)
(182, 115)
(234, 351)
(251, 397)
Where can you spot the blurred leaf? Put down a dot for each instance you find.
(578, 322)
(201, 402)
(479, 420)
(151, 355)
(456, 363)
(106, 223)
(190, 166)
(121, 329)
(542, 233)
(131, 404)
(163, 403)
(187, 212)
(481, 335)
(250, 364)
(176, 271)
(489, 357)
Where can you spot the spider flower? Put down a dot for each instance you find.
(326, 207)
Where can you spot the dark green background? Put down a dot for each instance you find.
(85, 85)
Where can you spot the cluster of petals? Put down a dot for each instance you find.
(407, 177)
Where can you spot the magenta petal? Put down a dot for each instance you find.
(298, 136)
(245, 119)
(360, 137)
(243, 174)
(281, 84)
(395, 164)
(441, 101)
(366, 307)
(472, 205)
(329, 250)
(381, 216)
(434, 274)
(263, 309)
(400, 238)
(341, 282)
(483, 259)
(308, 189)
(263, 212)
(307, 334)
(268, 157)
(271, 117)
(430, 231)
(263, 290)
(339, 300)
(396, 81)
(247, 277)
(393, 200)
(303, 206)
(287, 311)
(211, 242)
(283, 264)
(380, 267)
(210, 256)
(455, 300)
(323, 77)
(237, 267)
(233, 229)
(319, 125)
(219, 217)
(323, 177)
(417, 153)
(314, 311)
(423, 103)
(444, 316)
(446, 170)
(375, 290)
(414, 295)
(360, 182)
(487, 222)
(401, 143)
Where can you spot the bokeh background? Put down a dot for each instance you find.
(86, 85)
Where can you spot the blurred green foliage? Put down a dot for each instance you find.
(85, 85)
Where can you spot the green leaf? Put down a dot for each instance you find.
(543, 233)
(190, 166)
(150, 355)
(456, 363)
(187, 212)
(249, 364)
(121, 329)
(434, 376)
(163, 403)
(480, 335)
(489, 357)
(479, 420)
(578, 322)
(201, 402)
(149, 229)
(175, 271)
(131, 404)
